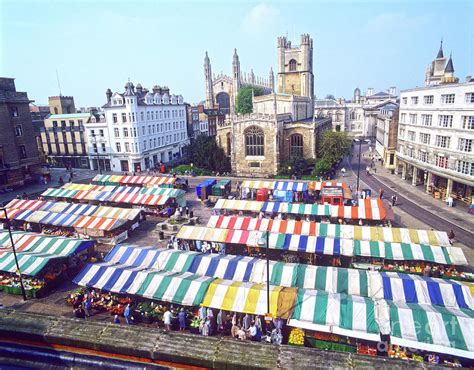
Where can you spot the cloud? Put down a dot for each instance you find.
(259, 18)
(396, 22)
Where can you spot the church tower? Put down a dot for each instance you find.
(295, 67)
(208, 83)
(271, 81)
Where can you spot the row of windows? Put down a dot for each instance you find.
(464, 145)
(445, 99)
(150, 115)
(444, 120)
(152, 129)
(441, 161)
(153, 143)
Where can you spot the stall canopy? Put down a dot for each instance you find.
(133, 255)
(25, 204)
(290, 186)
(368, 209)
(375, 233)
(228, 267)
(416, 289)
(239, 205)
(432, 328)
(341, 314)
(318, 185)
(257, 184)
(251, 298)
(297, 208)
(36, 251)
(133, 180)
(412, 252)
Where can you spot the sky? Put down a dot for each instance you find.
(98, 44)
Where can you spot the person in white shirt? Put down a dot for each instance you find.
(167, 316)
(253, 331)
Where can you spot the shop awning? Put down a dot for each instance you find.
(229, 267)
(73, 186)
(107, 179)
(174, 261)
(245, 297)
(297, 208)
(257, 184)
(160, 180)
(340, 314)
(22, 215)
(37, 216)
(30, 264)
(416, 289)
(432, 328)
(239, 205)
(281, 273)
(56, 207)
(59, 193)
(366, 210)
(290, 185)
(133, 255)
(25, 204)
(98, 223)
(59, 219)
(117, 213)
(80, 209)
(318, 185)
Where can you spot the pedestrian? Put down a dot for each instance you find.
(451, 236)
(219, 321)
(187, 211)
(246, 322)
(343, 171)
(381, 193)
(375, 169)
(167, 319)
(126, 314)
(427, 271)
(182, 319)
(87, 305)
(450, 201)
(205, 326)
(116, 319)
(61, 181)
(394, 200)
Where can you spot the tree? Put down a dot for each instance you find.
(244, 98)
(335, 145)
(330, 97)
(295, 166)
(322, 167)
(205, 153)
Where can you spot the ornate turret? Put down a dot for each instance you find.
(440, 52)
(208, 82)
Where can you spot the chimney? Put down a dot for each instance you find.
(393, 91)
(370, 91)
(108, 94)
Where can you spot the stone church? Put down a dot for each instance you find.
(282, 123)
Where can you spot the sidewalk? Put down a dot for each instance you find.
(458, 215)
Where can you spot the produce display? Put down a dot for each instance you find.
(296, 337)
(56, 231)
(10, 283)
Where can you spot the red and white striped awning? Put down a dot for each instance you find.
(98, 223)
(368, 209)
(25, 204)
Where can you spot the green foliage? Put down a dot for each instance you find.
(330, 96)
(243, 102)
(334, 146)
(182, 168)
(206, 154)
(322, 167)
(295, 166)
(281, 177)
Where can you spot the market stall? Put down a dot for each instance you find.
(222, 188)
(234, 205)
(144, 181)
(204, 189)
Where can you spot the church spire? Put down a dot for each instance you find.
(440, 52)
(271, 80)
(449, 67)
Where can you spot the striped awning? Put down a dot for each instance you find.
(239, 205)
(30, 264)
(59, 193)
(160, 180)
(318, 185)
(290, 186)
(229, 267)
(297, 208)
(59, 219)
(25, 204)
(98, 223)
(341, 314)
(257, 184)
(80, 209)
(174, 261)
(432, 328)
(245, 297)
(133, 255)
(107, 179)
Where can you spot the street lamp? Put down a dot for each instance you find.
(97, 151)
(358, 166)
(264, 242)
(18, 271)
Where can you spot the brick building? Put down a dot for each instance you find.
(19, 159)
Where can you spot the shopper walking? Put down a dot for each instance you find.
(182, 319)
(167, 319)
(126, 314)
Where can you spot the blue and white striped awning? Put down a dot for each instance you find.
(223, 266)
(130, 255)
(290, 185)
(60, 219)
(81, 209)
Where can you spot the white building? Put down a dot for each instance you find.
(98, 143)
(356, 116)
(145, 127)
(436, 138)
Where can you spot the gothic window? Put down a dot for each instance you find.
(254, 141)
(353, 115)
(292, 65)
(296, 145)
(223, 100)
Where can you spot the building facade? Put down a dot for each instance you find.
(386, 135)
(19, 158)
(436, 134)
(145, 127)
(98, 143)
(282, 124)
(357, 117)
(38, 114)
(221, 90)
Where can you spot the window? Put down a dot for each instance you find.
(144, 144)
(428, 99)
(134, 132)
(124, 117)
(296, 145)
(470, 97)
(101, 133)
(424, 138)
(402, 133)
(254, 141)
(127, 147)
(117, 146)
(103, 147)
(445, 121)
(92, 133)
(447, 98)
(116, 132)
(466, 168)
(441, 161)
(411, 135)
(403, 117)
(143, 130)
(125, 132)
(423, 156)
(133, 117)
(410, 152)
(426, 119)
(142, 116)
(18, 130)
(292, 65)
(465, 145)
(442, 141)
(405, 100)
(95, 147)
(468, 122)
(414, 99)
(413, 119)
(14, 111)
(63, 125)
(114, 117)
(22, 150)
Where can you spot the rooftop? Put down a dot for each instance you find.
(72, 115)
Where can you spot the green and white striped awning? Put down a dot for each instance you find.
(30, 263)
(341, 314)
(174, 261)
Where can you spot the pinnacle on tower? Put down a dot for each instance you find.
(449, 66)
(440, 52)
